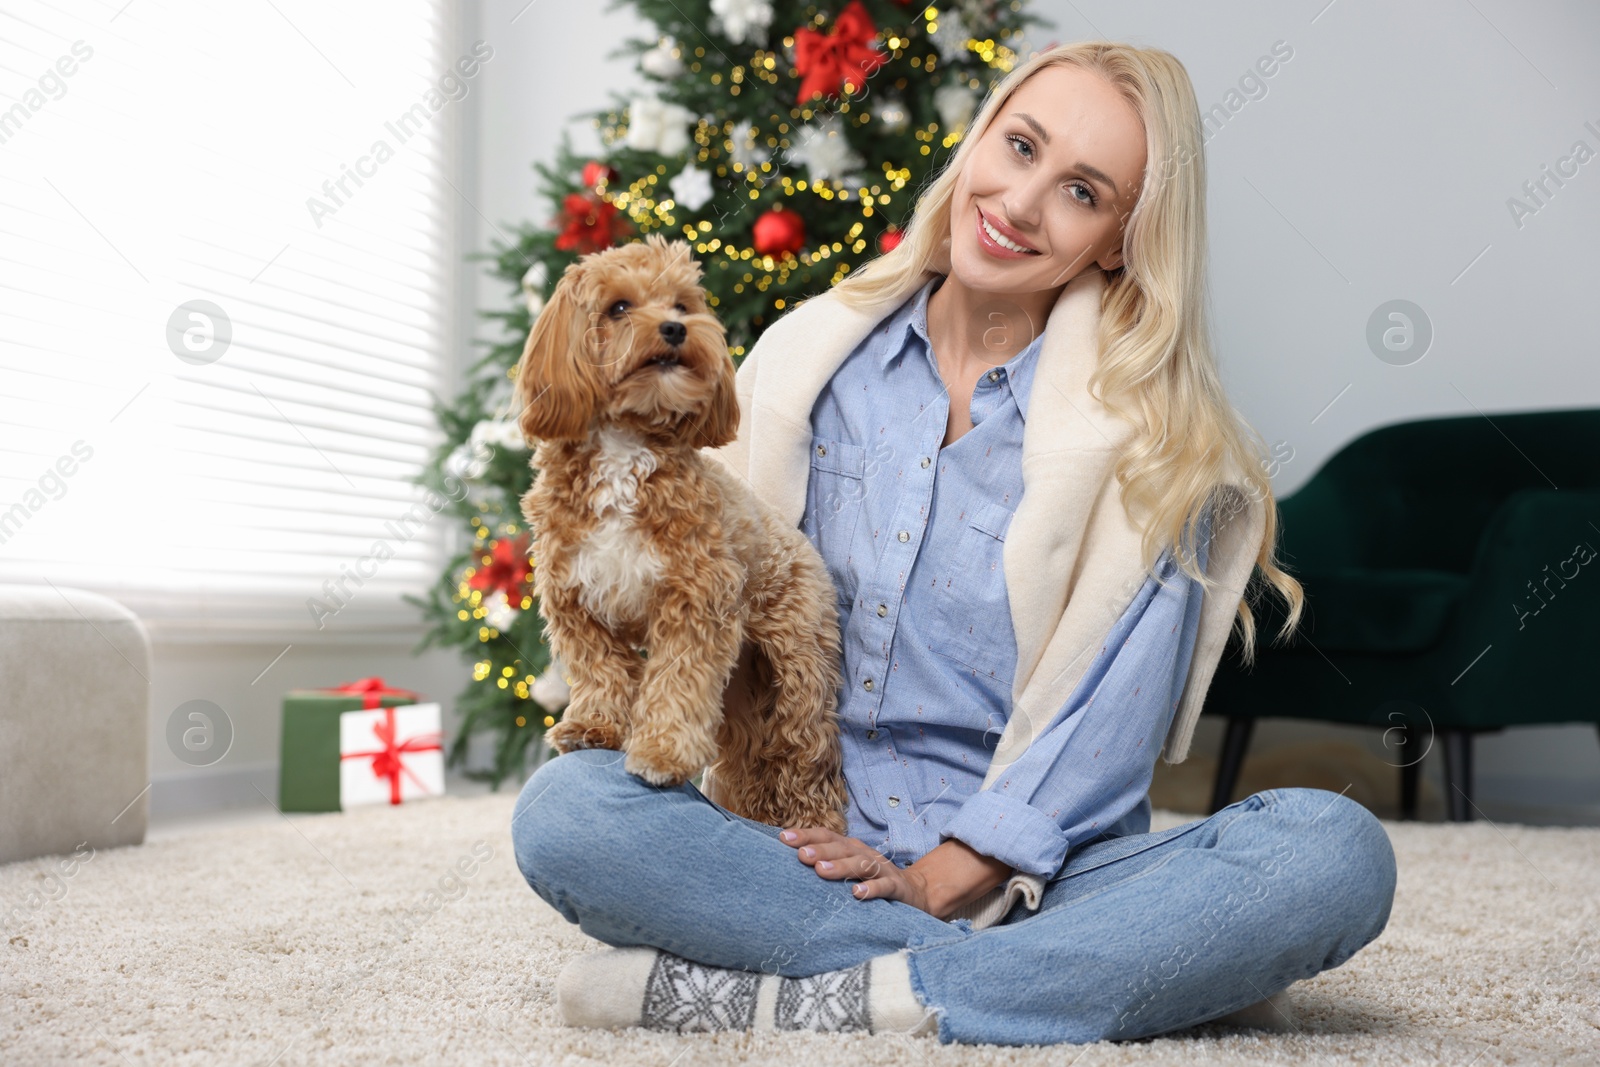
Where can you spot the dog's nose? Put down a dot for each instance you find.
(674, 332)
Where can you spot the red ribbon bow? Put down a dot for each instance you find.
(387, 762)
(372, 691)
(826, 59)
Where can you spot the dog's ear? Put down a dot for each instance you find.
(558, 390)
(721, 419)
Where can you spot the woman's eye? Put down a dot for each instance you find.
(1019, 143)
(618, 309)
(1091, 201)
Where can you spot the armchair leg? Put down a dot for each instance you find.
(1458, 774)
(1234, 744)
(1410, 776)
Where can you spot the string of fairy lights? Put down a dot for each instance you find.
(638, 200)
(715, 147)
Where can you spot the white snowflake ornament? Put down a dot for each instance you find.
(951, 37)
(691, 187)
(824, 150)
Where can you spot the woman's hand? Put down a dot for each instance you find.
(834, 856)
(948, 877)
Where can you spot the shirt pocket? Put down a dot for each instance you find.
(837, 498)
(978, 632)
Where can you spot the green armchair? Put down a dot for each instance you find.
(1451, 589)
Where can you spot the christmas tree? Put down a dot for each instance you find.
(785, 142)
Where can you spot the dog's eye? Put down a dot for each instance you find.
(681, 309)
(618, 309)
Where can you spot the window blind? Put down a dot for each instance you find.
(228, 286)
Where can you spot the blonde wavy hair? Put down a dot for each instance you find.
(1156, 366)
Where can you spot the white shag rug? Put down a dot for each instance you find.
(407, 935)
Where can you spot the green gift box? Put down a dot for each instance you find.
(308, 759)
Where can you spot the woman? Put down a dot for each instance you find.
(999, 882)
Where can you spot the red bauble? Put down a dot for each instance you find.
(591, 224)
(594, 172)
(779, 231)
(888, 239)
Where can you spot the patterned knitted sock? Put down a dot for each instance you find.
(646, 987)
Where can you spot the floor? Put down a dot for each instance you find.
(407, 935)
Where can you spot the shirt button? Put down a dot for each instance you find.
(872, 735)
(822, 450)
(994, 376)
(894, 802)
(883, 609)
(905, 535)
(925, 461)
(867, 685)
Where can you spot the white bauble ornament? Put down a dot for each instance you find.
(465, 462)
(551, 689)
(498, 612)
(663, 60)
(746, 152)
(533, 288)
(955, 104)
(892, 115)
(742, 21)
(691, 187)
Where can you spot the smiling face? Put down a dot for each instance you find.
(1047, 189)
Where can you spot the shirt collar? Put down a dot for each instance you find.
(912, 319)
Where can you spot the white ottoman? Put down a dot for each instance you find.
(74, 722)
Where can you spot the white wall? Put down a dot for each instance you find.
(1376, 165)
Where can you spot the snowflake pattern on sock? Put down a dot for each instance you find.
(833, 1001)
(690, 997)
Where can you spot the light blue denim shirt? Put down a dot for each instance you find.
(912, 534)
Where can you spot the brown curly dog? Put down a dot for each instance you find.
(644, 543)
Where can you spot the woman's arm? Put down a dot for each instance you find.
(1093, 763)
(951, 875)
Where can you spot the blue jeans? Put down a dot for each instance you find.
(1135, 936)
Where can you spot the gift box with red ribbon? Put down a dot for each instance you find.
(390, 755)
(311, 756)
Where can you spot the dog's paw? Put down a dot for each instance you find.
(656, 769)
(568, 734)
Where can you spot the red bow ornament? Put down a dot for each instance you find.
(372, 691)
(507, 570)
(826, 60)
